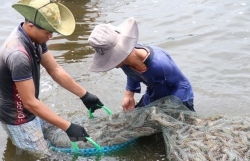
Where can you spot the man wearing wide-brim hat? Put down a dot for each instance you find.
(118, 47)
(21, 112)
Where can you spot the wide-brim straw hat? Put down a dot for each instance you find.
(47, 14)
(112, 44)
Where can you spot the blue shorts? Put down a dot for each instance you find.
(27, 136)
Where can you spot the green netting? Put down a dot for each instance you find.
(187, 135)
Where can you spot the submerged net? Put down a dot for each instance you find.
(187, 135)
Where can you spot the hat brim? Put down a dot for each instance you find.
(127, 40)
(66, 27)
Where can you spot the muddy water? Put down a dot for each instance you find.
(209, 40)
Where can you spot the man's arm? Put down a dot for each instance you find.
(26, 91)
(60, 75)
(128, 101)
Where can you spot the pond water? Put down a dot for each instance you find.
(208, 39)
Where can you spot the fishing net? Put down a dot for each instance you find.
(187, 135)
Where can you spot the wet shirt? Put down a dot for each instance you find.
(19, 61)
(162, 78)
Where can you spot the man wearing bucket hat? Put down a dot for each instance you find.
(116, 46)
(21, 112)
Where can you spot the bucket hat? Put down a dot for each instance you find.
(47, 14)
(112, 44)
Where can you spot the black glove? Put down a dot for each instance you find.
(91, 101)
(76, 133)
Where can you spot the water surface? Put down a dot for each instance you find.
(209, 40)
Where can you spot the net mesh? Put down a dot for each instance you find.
(187, 135)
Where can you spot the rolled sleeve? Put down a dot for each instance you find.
(133, 86)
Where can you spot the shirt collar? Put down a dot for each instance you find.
(149, 58)
(24, 34)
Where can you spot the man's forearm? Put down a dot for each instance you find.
(65, 80)
(39, 109)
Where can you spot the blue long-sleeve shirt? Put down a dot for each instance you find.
(162, 78)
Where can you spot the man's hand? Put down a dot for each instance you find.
(76, 133)
(128, 101)
(91, 101)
